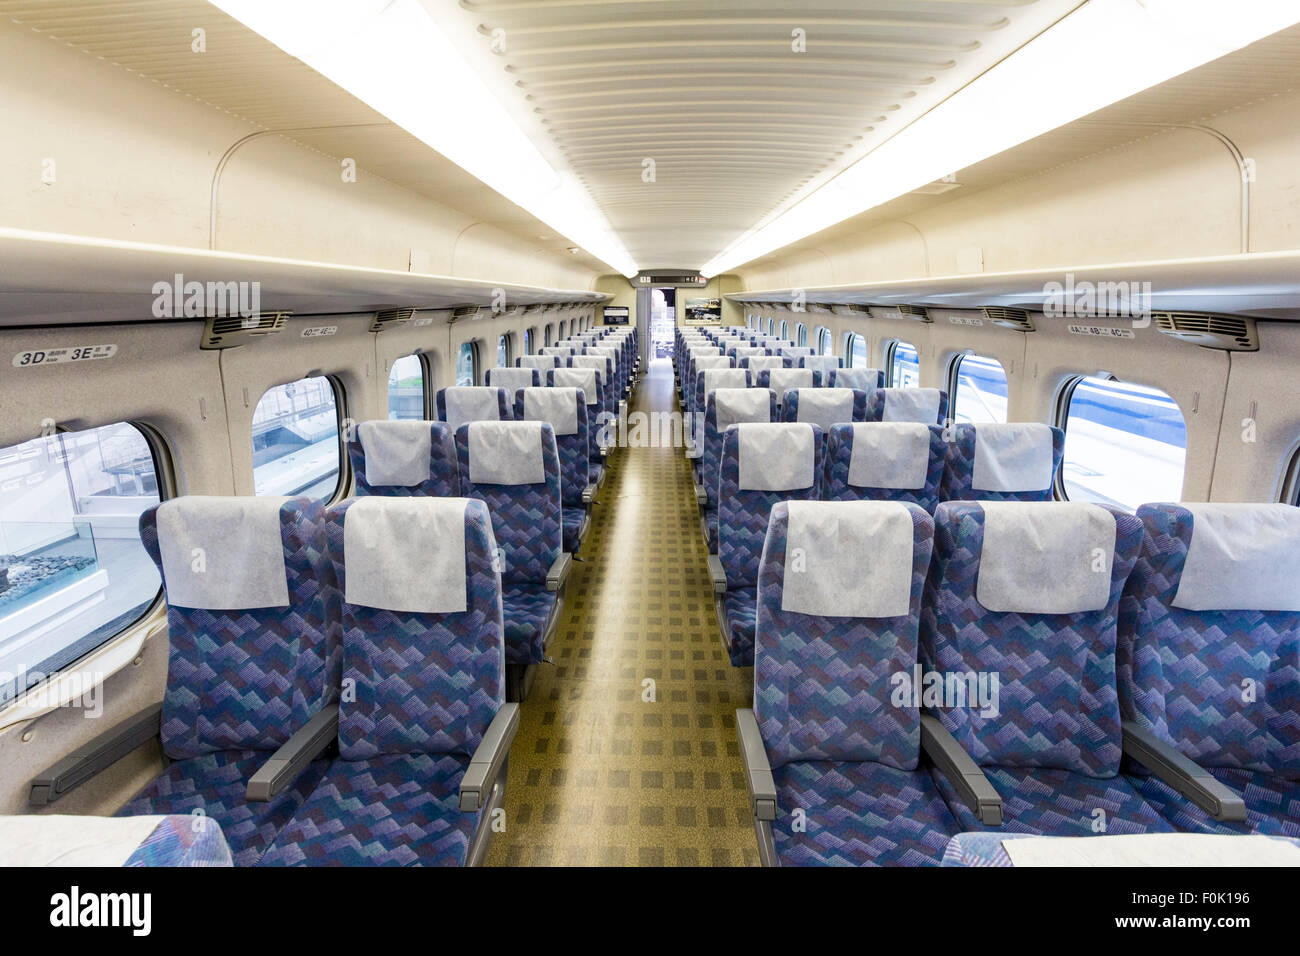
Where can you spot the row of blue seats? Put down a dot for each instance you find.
(335, 686)
(1040, 668)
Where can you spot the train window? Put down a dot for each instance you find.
(73, 573)
(904, 364)
(771, 326)
(801, 335)
(406, 388)
(530, 343)
(503, 351)
(296, 449)
(785, 330)
(550, 335)
(979, 389)
(825, 342)
(857, 351)
(467, 364)
(1125, 444)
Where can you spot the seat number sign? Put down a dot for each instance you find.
(80, 353)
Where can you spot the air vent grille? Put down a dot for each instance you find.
(1225, 332)
(914, 312)
(391, 319)
(1009, 318)
(229, 331)
(464, 312)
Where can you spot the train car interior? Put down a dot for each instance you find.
(649, 433)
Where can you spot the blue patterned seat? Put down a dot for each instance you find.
(572, 440)
(459, 404)
(743, 513)
(886, 452)
(716, 421)
(1050, 743)
(824, 407)
(424, 688)
(240, 681)
(1016, 461)
(1212, 674)
(529, 526)
(590, 382)
(845, 756)
(908, 405)
(443, 478)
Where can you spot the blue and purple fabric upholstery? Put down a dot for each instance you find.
(528, 521)
(241, 681)
(183, 841)
(423, 688)
(444, 477)
(845, 757)
(1051, 745)
(574, 467)
(742, 528)
(710, 461)
(1220, 685)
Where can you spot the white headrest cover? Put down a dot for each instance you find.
(712, 361)
(848, 559)
(222, 553)
(511, 379)
(776, 457)
(703, 351)
(471, 403)
(756, 363)
(539, 361)
(598, 362)
(735, 405)
(586, 379)
(863, 378)
(894, 455)
(1243, 557)
(912, 405)
(1016, 456)
(559, 406)
(747, 351)
(405, 554)
(1044, 557)
(825, 407)
(506, 453)
(781, 380)
(397, 453)
(715, 378)
(820, 363)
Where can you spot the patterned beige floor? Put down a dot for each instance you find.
(626, 753)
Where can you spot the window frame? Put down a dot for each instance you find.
(954, 370)
(342, 415)
(1061, 419)
(476, 365)
(801, 335)
(548, 335)
(849, 341)
(784, 331)
(530, 339)
(891, 350)
(507, 340)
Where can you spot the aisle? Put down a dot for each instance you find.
(599, 776)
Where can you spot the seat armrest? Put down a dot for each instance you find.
(95, 756)
(758, 772)
(701, 496)
(1182, 773)
(558, 575)
(489, 758)
(307, 743)
(717, 574)
(589, 495)
(961, 770)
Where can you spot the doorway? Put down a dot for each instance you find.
(663, 318)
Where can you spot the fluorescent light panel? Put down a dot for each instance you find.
(392, 56)
(1103, 52)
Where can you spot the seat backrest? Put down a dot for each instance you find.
(709, 379)
(782, 380)
(867, 379)
(1209, 637)
(459, 404)
(725, 407)
(539, 361)
(926, 405)
(513, 379)
(1016, 461)
(761, 465)
(252, 619)
(599, 414)
(757, 363)
(824, 407)
(566, 411)
(886, 461)
(423, 638)
(1027, 594)
(402, 458)
(821, 363)
(515, 468)
(839, 608)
